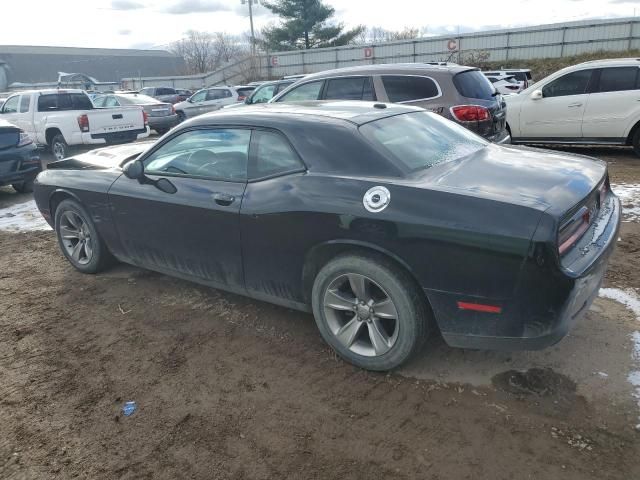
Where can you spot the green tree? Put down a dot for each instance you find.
(305, 24)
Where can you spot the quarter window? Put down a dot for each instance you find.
(574, 83)
(11, 105)
(350, 88)
(220, 154)
(273, 155)
(25, 103)
(406, 89)
(308, 91)
(218, 93)
(618, 79)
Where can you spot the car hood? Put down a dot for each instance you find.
(102, 158)
(540, 179)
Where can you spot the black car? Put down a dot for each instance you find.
(384, 220)
(19, 159)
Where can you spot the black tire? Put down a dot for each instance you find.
(161, 131)
(635, 142)
(100, 257)
(23, 187)
(181, 116)
(387, 279)
(59, 147)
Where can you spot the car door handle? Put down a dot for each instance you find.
(575, 105)
(223, 199)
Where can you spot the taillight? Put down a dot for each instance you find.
(25, 139)
(470, 113)
(572, 230)
(145, 118)
(83, 123)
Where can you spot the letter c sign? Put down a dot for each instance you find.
(452, 45)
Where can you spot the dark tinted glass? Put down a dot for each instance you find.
(350, 88)
(165, 91)
(420, 140)
(64, 101)
(473, 84)
(617, 79)
(274, 155)
(574, 83)
(404, 88)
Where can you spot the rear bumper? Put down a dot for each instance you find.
(109, 138)
(544, 309)
(19, 164)
(166, 122)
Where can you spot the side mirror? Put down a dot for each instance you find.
(536, 95)
(134, 170)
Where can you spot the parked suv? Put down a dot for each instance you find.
(164, 94)
(264, 93)
(206, 100)
(589, 103)
(462, 94)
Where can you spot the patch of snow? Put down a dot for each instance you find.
(22, 217)
(603, 374)
(629, 195)
(630, 299)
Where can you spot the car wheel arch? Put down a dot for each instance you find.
(632, 132)
(57, 197)
(318, 256)
(51, 133)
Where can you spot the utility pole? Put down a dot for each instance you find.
(253, 37)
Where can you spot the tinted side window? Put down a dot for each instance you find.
(25, 103)
(618, 79)
(273, 155)
(80, 101)
(350, 88)
(308, 91)
(165, 91)
(574, 83)
(473, 84)
(405, 89)
(220, 154)
(47, 102)
(11, 105)
(217, 94)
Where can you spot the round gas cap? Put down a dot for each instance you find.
(376, 199)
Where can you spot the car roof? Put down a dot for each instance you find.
(49, 91)
(390, 68)
(355, 112)
(612, 62)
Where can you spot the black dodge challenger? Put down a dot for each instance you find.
(386, 221)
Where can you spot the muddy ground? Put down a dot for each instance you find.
(230, 388)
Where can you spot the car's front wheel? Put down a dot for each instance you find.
(78, 238)
(59, 147)
(370, 311)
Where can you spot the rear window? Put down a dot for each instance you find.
(473, 84)
(401, 88)
(422, 139)
(64, 101)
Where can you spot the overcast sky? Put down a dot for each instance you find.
(156, 23)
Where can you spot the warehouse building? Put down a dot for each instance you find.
(25, 66)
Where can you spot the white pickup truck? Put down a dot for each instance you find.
(60, 118)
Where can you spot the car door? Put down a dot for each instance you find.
(24, 120)
(558, 114)
(272, 228)
(193, 232)
(612, 107)
(194, 105)
(215, 99)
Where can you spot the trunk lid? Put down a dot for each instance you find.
(113, 120)
(540, 179)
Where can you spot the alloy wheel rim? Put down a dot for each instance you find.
(58, 151)
(76, 237)
(361, 315)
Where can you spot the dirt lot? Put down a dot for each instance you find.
(230, 388)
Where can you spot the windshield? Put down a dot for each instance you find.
(422, 139)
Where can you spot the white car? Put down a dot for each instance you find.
(523, 75)
(595, 103)
(59, 118)
(206, 100)
(506, 84)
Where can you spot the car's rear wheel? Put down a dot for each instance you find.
(78, 238)
(161, 131)
(59, 147)
(23, 187)
(370, 311)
